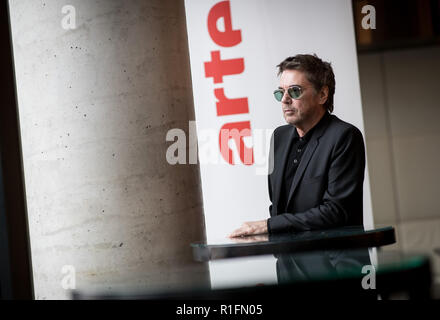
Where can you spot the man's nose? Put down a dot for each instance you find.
(286, 98)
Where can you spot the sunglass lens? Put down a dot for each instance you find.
(295, 92)
(278, 95)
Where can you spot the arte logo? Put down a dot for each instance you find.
(219, 68)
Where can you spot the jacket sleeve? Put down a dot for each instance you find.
(342, 195)
(270, 169)
(270, 206)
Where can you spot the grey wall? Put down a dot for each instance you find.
(400, 97)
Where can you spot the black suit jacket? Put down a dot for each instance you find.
(327, 190)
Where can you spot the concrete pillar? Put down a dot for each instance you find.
(95, 103)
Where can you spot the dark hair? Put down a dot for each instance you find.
(318, 72)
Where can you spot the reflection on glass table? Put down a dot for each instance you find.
(349, 273)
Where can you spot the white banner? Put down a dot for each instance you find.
(234, 49)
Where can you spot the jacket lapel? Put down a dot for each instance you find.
(281, 163)
(310, 149)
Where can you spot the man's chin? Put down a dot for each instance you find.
(292, 120)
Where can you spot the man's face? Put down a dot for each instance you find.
(303, 110)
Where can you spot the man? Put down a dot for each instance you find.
(318, 159)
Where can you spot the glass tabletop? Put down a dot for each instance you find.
(339, 238)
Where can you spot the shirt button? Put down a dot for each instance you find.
(295, 161)
(299, 150)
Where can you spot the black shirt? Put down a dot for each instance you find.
(296, 151)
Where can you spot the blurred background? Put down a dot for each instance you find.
(399, 63)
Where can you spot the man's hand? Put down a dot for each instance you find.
(251, 239)
(249, 228)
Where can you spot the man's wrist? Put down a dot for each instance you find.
(268, 225)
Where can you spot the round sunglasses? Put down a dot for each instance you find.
(294, 92)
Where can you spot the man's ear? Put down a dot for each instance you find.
(323, 95)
